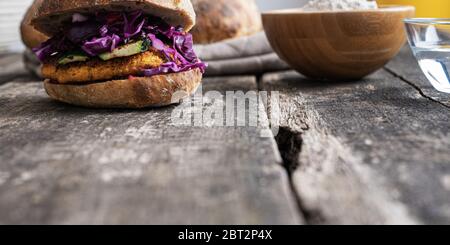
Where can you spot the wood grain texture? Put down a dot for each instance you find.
(368, 152)
(406, 67)
(337, 45)
(68, 165)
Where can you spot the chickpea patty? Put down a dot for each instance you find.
(98, 70)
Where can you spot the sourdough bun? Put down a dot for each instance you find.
(219, 20)
(138, 92)
(51, 15)
(30, 36)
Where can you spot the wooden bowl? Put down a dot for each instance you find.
(339, 45)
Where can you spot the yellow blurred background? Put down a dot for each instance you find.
(425, 8)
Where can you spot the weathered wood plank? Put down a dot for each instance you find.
(368, 152)
(68, 165)
(405, 66)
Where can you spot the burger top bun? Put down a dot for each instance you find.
(30, 36)
(218, 20)
(50, 15)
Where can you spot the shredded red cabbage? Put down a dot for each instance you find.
(104, 32)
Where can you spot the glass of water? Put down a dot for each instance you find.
(430, 42)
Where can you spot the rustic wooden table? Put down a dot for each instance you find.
(374, 151)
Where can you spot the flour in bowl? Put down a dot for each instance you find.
(336, 5)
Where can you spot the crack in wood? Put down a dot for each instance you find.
(290, 147)
(330, 175)
(402, 78)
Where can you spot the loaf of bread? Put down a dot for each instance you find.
(218, 20)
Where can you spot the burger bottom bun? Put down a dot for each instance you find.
(137, 92)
